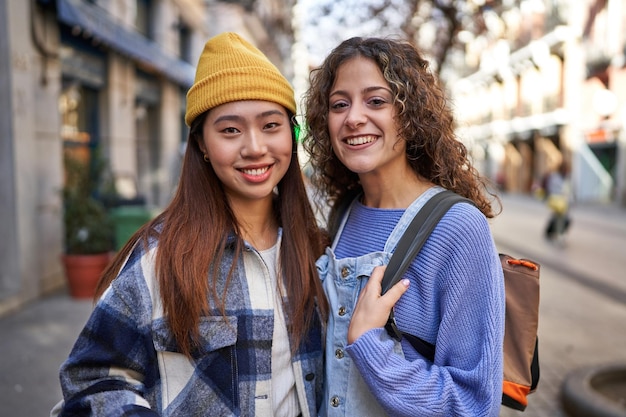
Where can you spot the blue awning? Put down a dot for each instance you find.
(97, 23)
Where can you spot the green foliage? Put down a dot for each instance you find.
(88, 227)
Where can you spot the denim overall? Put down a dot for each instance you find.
(345, 391)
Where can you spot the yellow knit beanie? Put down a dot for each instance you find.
(231, 69)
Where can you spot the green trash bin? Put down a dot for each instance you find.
(127, 220)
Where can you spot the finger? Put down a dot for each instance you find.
(377, 273)
(395, 292)
(373, 286)
(372, 309)
(376, 278)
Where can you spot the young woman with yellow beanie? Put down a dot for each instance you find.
(214, 308)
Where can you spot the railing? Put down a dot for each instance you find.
(591, 180)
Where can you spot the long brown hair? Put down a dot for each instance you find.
(192, 235)
(424, 121)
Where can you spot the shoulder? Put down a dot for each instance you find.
(464, 218)
(463, 236)
(135, 284)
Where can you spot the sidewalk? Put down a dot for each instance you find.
(35, 341)
(583, 310)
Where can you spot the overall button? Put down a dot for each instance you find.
(334, 401)
(344, 272)
(342, 311)
(339, 354)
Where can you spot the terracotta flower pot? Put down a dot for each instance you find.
(83, 273)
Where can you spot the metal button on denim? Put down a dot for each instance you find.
(334, 401)
(338, 353)
(342, 311)
(345, 272)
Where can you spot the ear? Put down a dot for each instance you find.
(201, 145)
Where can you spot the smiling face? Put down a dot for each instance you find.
(361, 121)
(249, 146)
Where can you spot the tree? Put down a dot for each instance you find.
(440, 28)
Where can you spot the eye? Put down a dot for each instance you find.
(377, 101)
(338, 105)
(230, 130)
(271, 125)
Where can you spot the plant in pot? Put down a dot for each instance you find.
(88, 228)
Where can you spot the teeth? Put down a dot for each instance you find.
(256, 171)
(361, 140)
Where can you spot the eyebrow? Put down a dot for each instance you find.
(235, 117)
(365, 90)
(270, 113)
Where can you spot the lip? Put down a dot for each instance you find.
(360, 141)
(256, 173)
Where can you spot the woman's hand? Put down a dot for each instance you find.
(372, 310)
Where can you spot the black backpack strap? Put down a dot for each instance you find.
(407, 249)
(416, 235)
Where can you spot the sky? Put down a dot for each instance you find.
(321, 32)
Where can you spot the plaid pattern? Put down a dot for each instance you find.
(125, 361)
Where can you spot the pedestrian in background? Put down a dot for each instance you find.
(558, 198)
(381, 138)
(211, 309)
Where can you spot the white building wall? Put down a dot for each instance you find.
(37, 164)
(170, 128)
(119, 117)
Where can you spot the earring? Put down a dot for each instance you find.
(206, 158)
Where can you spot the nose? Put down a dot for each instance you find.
(355, 116)
(254, 145)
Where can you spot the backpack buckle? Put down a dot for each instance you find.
(392, 327)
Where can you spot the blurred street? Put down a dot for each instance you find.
(583, 291)
(583, 310)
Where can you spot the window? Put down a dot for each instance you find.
(79, 114)
(184, 42)
(143, 18)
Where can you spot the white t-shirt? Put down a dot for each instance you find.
(284, 396)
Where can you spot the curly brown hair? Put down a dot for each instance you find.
(423, 119)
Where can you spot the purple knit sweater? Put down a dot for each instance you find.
(455, 300)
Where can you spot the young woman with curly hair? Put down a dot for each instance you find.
(381, 139)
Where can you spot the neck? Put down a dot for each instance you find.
(393, 191)
(257, 223)
(261, 236)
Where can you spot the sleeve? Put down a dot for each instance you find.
(463, 302)
(112, 366)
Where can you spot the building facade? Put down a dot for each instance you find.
(106, 77)
(551, 87)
